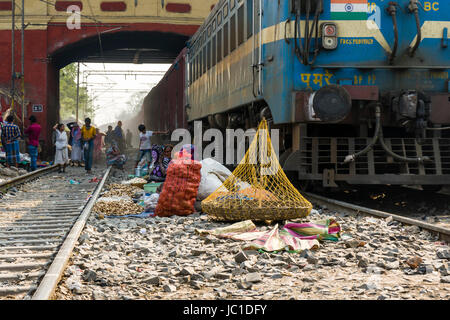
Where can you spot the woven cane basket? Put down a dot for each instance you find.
(258, 188)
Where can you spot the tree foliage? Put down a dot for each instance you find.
(68, 95)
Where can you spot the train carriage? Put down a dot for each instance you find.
(359, 88)
(164, 106)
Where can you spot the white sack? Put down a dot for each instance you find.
(213, 176)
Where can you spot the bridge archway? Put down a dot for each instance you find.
(115, 47)
(56, 36)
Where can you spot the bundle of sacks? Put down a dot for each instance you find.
(181, 185)
(187, 181)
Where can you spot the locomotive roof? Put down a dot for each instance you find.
(211, 15)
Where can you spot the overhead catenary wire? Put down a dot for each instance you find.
(13, 52)
(98, 34)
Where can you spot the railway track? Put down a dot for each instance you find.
(442, 232)
(39, 227)
(41, 223)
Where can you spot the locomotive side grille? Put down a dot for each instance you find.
(444, 149)
(317, 154)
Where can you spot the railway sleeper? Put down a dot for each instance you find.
(22, 231)
(36, 228)
(16, 290)
(30, 236)
(37, 221)
(45, 241)
(28, 255)
(23, 266)
(31, 248)
(20, 276)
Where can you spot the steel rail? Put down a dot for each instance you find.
(443, 233)
(5, 186)
(51, 279)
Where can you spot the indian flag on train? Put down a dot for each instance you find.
(349, 9)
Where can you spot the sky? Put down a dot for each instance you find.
(111, 85)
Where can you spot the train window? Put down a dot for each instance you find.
(214, 50)
(200, 64)
(225, 11)
(197, 66)
(192, 71)
(249, 18)
(208, 55)
(194, 68)
(232, 4)
(204, 60)
(225, 39)
(219, 46)
(219, 18)
(241, 27)
(233, 33)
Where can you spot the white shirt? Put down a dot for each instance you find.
(61, 140)
(146, 144)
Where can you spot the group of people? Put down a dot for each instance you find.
(10, 136)
(82, 145)
(85, 144)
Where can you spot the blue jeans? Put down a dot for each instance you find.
(88, 155)
(145, 153)
(12, 153)
(33, 151)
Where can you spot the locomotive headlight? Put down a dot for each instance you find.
(329, 36)
(329, 30)
(329, 43)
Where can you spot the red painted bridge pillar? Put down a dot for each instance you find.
(37, 71)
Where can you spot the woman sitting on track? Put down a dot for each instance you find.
(162, 158)
(114, 157)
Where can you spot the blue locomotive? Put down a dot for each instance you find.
(359, 89)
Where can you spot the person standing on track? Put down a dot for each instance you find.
(145, 145)
(98, 145)
(77, 147)
(11, 135)
(33, 132)
(109, 138)
(129, 138)
(61, 143)
(88, 134)
(119, 137)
